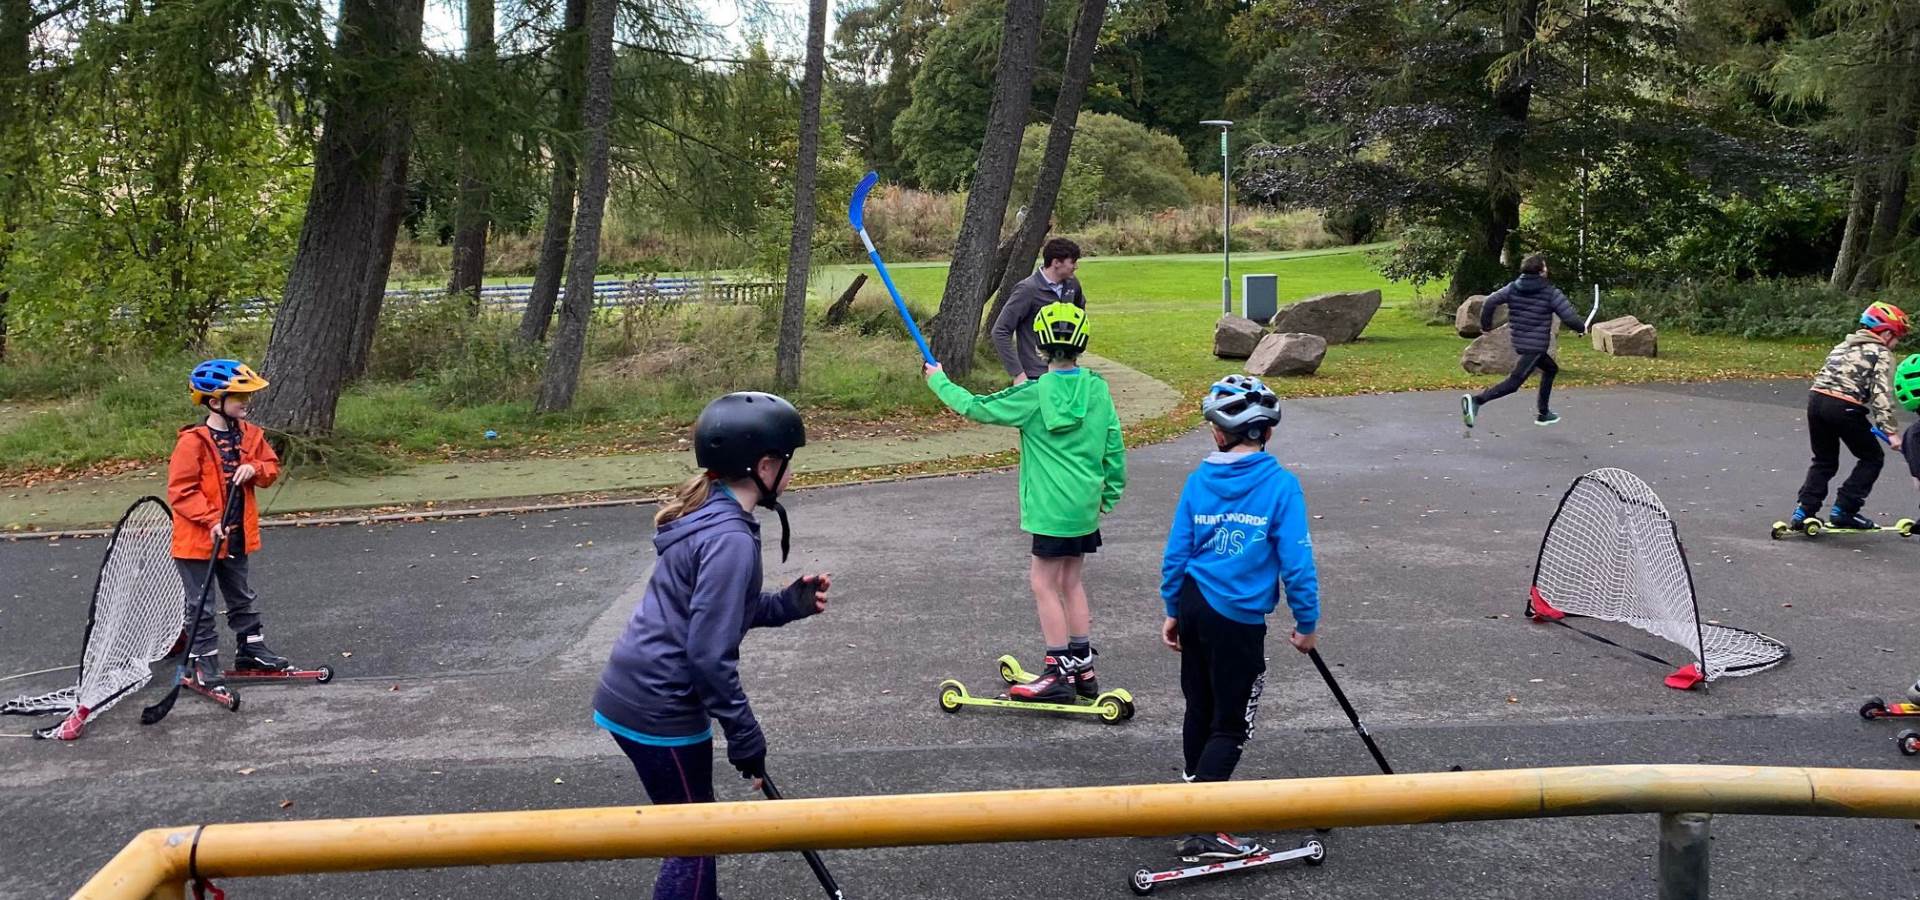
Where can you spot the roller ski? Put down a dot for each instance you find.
(1838, 523)
(1063, 687)
(1876, 708)
(254, 662)
(203, 677)
(1218, 854)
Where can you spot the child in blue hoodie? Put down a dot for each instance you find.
(675, 669)
(1239, 537)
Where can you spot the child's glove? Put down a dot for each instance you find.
(754, 767)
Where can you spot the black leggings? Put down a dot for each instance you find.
(1831, 422)
(677, 775)
(1223, 666)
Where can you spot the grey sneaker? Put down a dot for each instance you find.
(1468, 409)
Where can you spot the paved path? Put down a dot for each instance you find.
(97, 501)
(474, 647)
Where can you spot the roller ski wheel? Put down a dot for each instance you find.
(1812, 528)
(1143, 881)
(1012, 672)
(1876, 708)
(1909, 742)
(1111, 707)
(1780, 530)
(1904, 527)
(321, 675)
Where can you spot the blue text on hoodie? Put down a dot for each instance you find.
(676, 666)
(1240, 532)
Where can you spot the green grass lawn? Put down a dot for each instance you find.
(1157, 315)
(1153, 313)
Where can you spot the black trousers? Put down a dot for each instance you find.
(1526, 366)
(1830, 423)
(1223, 666)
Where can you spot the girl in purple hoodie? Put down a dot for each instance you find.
(675, 669)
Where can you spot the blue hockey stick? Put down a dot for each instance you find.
(856, 214)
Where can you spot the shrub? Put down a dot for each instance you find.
(1116, 167)
(1761, 308)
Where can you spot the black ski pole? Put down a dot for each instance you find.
(1352, 716)
(814, 862)
(153, 714)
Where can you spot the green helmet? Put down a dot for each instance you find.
(1061, 325)
(1906, 383)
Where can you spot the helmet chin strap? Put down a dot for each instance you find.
(218, 406)
(770, 498)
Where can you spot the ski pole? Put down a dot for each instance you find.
(1882, 436)
(856, 214)
(1352, 716)
(814, 862)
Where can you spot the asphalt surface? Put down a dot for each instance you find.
(474, 646)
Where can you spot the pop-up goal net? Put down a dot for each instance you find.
(1612, 552)
(134, 620)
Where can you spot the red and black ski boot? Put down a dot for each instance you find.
(1055, 684)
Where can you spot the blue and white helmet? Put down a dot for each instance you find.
(1241, 405)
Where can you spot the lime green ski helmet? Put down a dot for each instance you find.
(1061, 325)
(1906, 383)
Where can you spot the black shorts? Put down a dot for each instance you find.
(1050, 547)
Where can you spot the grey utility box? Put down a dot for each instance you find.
(1260, 297)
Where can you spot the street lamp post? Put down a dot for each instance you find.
(1226, 218)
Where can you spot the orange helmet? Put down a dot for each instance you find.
(1886, 319)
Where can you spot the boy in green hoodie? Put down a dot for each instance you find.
(1073, 467)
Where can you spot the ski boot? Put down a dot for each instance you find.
(1085, 684)
(253, 656)
(1913, 693)
(1055, 684)
(254, 662)
(1217, 846)
(203, 677)
(1850, 521)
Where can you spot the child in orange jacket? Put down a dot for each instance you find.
(212, 461)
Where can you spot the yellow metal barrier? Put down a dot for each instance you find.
(156, 863)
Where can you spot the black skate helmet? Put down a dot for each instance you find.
(737, 430)
(1243, 407)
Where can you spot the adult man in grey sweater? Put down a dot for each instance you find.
(1053, 282)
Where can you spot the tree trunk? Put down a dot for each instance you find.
(313, 330)
(391, 212)
(553, 240)
(793, 305)
(1896, 169)
(16, 147)
(1019, 251)
(973, 251)
(478, 150)
(1480, 265)
(1852, 241)
(562, 374)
